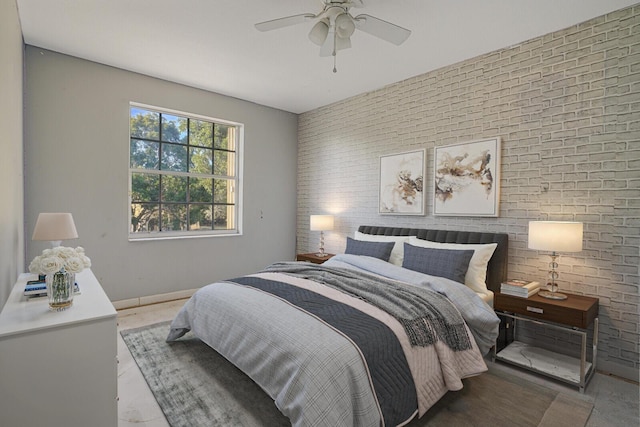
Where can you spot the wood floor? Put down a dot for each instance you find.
(616, 402)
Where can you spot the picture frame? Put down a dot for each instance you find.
(467, 178)
(401, 189)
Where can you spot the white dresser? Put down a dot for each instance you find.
(59, 368)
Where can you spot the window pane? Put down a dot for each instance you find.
(200, 217)
(200, 133)
(145, 187)
(144, 154)
(223, 163)
(222, 217)
(174, 128)
(144, 217)
(224, 137)
(200, 160)
(174, 158)
(174, 188)
(144, 124)
(174, 217)
(200, 190)
(223, 191)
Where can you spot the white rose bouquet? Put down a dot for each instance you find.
(62, 257)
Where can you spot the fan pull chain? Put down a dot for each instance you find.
(335, 44)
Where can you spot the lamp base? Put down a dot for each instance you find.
(552, 295)
(322, 254)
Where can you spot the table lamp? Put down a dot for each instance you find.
(321, 223)
(555, 236)
(55, 227)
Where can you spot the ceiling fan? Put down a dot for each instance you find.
(335, 26)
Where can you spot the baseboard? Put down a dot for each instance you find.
(617, 370)
(152, 299)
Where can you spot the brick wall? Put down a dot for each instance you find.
(567, 107)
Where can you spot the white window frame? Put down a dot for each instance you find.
(238, 182)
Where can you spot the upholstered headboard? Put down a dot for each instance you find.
(497, 267)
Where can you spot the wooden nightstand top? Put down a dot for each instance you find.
(313, 257)
(577, 310)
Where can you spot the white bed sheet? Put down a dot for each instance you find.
(487, 297)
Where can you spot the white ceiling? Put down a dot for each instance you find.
(213, 45)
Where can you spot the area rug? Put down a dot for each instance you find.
(195, 386)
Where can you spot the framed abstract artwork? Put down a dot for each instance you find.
(401, 183)
(467, 178)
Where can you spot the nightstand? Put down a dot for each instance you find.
(575, 315)
(313, 257)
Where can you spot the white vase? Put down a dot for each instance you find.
(60, 289)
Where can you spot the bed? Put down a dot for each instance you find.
(358, 340)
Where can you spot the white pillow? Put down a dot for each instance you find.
(397, 254)
(476, 276)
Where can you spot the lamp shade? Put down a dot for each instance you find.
(344, 26)
(319, 32)
(54, 227)
(555, 236)
(321, 222)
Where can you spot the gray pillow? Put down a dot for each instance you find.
(381, 250)
(449, 263)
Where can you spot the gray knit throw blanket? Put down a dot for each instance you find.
(425, 315)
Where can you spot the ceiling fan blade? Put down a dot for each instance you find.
(382, 29)
(274, 24)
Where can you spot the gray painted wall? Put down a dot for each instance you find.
(567, 107)
(77, 153)
(11, 163)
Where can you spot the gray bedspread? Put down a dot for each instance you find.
(480, 318)
(316, 375)
(427, 316)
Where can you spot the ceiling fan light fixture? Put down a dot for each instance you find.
(335, 26)
(342, 42)
(344, 25)
(319, 31)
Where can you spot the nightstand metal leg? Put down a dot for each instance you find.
(585, 376)
(583, 361)
(595, 344)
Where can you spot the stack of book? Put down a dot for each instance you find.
(35, 288)
(38, 288)
(519, 288)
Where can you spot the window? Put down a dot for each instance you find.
(183, 174)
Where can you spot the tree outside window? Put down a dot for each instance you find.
(183, 174)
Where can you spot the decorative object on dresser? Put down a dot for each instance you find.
(59, 264)
(555, 236)
(54, 227)
(519, 288)
(314, 258)
(401, 183)
(321, 223)
(35, 288)
(572, 316)
(467, 178)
